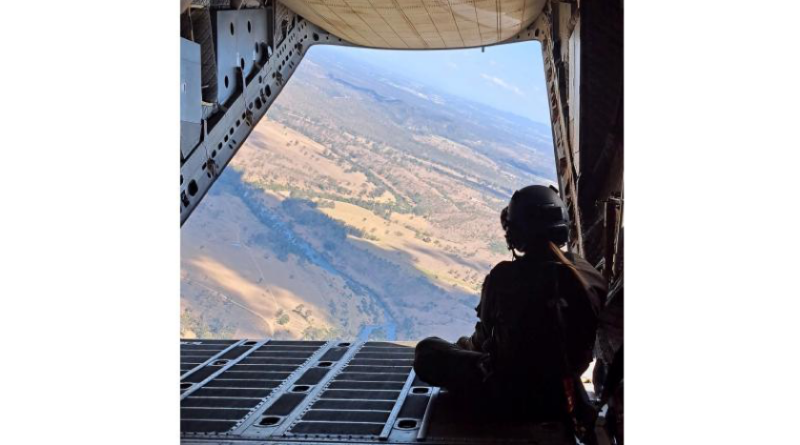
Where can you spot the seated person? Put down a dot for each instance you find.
(538, 316)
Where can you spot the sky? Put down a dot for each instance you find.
(508, 77)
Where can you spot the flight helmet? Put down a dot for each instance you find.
(534, 215)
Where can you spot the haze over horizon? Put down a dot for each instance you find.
(507, 77)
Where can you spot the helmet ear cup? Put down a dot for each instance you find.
(513, 239)
(504, 218)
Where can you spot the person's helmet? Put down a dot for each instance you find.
(535, 214)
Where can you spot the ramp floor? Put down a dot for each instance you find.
(306, 392)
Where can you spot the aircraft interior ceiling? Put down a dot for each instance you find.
(420, 24)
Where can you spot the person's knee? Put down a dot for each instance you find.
(429, 344)
(425, 358)
(425, 349)
(429, 347)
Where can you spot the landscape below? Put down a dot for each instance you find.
(363, 206)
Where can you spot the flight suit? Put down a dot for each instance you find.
(515, 353)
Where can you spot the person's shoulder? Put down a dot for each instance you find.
(510, 272)
(590, 273)
(503, 267)
(580, 262)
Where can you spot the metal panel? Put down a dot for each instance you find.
(315, 391)
(219, 367)
(227, 398)
(273, 415)
(373, 363)
(387, 428)
(240, 35)
(426, 418)
(283, 19)
(191, 109)
(250, 44)
(200, 354)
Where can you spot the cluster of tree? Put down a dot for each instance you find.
(203, 328)
(301, 310)
(282, 317)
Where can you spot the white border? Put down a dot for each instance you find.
(89, 222)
